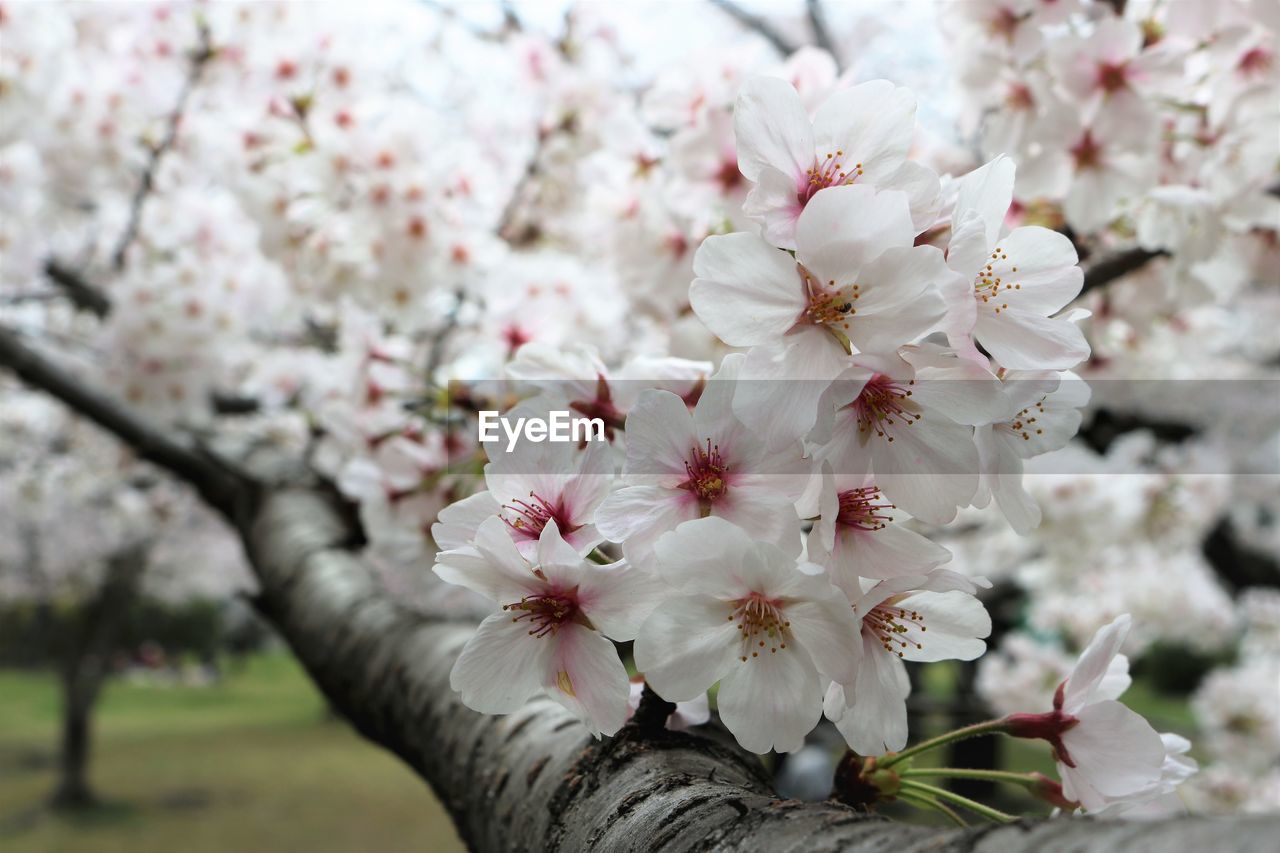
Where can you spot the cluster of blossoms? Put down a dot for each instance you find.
(756, 535)
(869, 351)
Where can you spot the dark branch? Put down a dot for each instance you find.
(822, 32)
(759, 25)
(1117, 266)
(83, 295)
(221, 487)
(199, 57)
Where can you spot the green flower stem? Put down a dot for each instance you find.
(1027, 779)
(952, 797)
(921, 801)
(985, 728)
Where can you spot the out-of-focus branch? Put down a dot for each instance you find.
(1117, 266)
(83, 295)
(821, 31)
(221, 486)
(757, 24)
(198, 59)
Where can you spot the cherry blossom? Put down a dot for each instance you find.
(745, 617)
(928, 617)
(858, 135)
(552, 633)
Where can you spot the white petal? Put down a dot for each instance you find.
(875, 721)
(457, 523)
(492, 567)
(986, 191)
(1116, 751)
(900, 298)
(618, 598)
(771, 701)
(843, 228)
(586, 676)
(501, 666)
(1095, 663)
(746, 291)
(687, 645)
(955, 624)
(638, 516)
(660, 437)
(826, 630)
(771, 128)
(872, 123)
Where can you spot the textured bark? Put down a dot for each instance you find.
(534, 780)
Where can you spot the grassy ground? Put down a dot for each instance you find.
(251, 764)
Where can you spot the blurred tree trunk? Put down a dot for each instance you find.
(85, 667)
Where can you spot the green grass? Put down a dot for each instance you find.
(253, 763)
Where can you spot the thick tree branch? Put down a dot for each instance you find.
(534, 780)
(759, 25)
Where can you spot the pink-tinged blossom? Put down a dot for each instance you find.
(1016, 282)
(858, 135)
(559, 614)
(531, 486)
(930, 617)
(1106, 753)
(684, 465)
(909, 426)
(1046, 414)
(856, 284)
(747, 617)
(858, 534)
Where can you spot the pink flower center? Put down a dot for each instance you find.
(888, 623)
(884, 403)
(1087, 152)
(860, 508)
(761, 625)
(707, 473)
(544, 613)
(531, 517)
(830, 171)
(1112, 76)
(1019, 97)
(1255, 61)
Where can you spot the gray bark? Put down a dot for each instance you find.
(534, 780)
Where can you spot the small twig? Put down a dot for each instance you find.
(821, 32)
(653, 712)
(199, 57)
(758, 24)
(435, 354)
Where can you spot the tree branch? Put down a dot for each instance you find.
(821, 32)
(534, 780)
(1117, 266)
(199, 57)
(759, 25)
(221, 487)
(83, 295)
